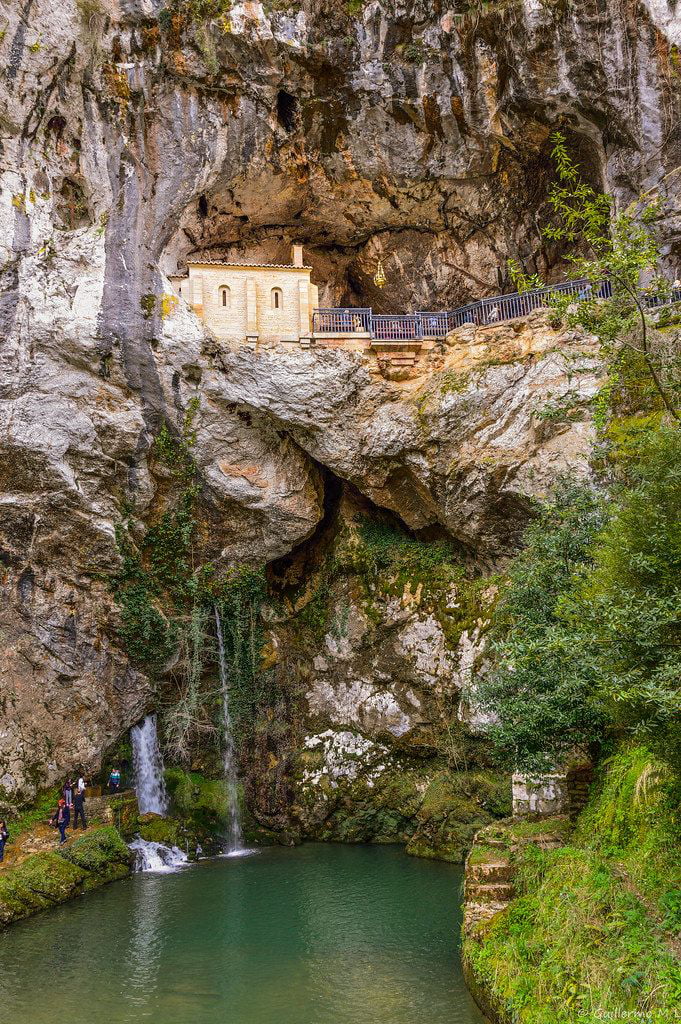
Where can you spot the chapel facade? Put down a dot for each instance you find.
(252, 302)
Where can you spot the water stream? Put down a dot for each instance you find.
(148, 765)
(319, 934)
(150, 856)
(234, 840)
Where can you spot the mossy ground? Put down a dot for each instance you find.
(592, 933)
(46, 879)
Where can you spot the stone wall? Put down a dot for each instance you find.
(250, 313)
(541, 795)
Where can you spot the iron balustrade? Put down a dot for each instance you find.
(397, 328)
(435, 325)
(483, 313)
(341, 321)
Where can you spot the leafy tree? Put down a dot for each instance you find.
(627, 607)
(541, 686)
(619, 247)
(588, 634)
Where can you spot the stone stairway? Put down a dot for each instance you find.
(490, 868)
(488, 886)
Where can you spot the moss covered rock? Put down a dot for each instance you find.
(455, 806)
(125, 814)
(198, 801)
(45, 879)
(38, 882)
(155, 829)
(100, 851)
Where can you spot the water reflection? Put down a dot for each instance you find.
(147, 927)
(317, 935)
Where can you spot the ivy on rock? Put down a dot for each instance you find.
(166, 595)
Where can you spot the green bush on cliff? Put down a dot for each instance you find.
(101, 851)
(627, 608)
(384, 549)
(541, 687)
(587, 636)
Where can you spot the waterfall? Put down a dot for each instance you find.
(229, 750)
(156, 857)
(148, 764)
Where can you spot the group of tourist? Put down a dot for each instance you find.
(71, 804)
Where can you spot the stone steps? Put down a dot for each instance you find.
(490, 873)
(494, 893)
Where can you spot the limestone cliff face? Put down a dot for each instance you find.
(134, 135)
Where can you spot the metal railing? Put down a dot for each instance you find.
(652, 301)
(342, 321)
(483, 313)
(397, 328)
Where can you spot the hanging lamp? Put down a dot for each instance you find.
(379, 276)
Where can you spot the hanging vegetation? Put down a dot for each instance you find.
(166, 596)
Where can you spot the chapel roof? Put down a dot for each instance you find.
(250, 265)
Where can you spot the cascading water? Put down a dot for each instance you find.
(151, 856)
(148, 764)
(229, 756)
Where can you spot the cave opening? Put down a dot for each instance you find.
(440, 247)
(287, 110)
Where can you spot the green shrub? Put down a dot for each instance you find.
(100, 851)
(627, 607)
(541, 687)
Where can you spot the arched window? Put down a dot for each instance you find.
(225, 297)
(277, 298)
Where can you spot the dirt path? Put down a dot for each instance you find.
(38, 839)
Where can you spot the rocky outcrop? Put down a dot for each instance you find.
(480, 429)
(135, 134)
(485, 426)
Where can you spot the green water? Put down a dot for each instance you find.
(315, 935)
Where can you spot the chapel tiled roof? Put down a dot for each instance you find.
(236, 263)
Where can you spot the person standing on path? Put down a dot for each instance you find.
(4, 836)
(115, 780)
(62, 819)
(80, 785)
(79, 809)
(67, 792)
